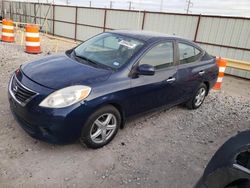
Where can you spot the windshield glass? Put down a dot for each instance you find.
(108, 49)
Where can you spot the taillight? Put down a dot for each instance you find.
(17, 71)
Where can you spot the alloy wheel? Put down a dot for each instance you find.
(103, 128)
(200, 96)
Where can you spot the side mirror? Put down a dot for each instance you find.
(146, 69)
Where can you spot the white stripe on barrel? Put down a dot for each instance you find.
(33, 44)
(7, 34)
(8, 27)
(33, 35)
(222, 69)
(219, 79)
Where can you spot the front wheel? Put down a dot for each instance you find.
(198, 98)
(101, 127)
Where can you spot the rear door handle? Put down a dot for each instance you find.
(201, 72)
(170, 79)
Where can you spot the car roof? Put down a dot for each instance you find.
(145, 35)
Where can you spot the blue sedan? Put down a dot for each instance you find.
(88, 92)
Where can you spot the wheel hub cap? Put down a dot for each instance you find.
(103, 128)
(200, 96)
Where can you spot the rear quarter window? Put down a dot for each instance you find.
(188, 53)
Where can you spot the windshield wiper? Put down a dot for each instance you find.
(92, 61)
(85, 58)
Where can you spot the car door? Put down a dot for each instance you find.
(158, 89)
(191, 69)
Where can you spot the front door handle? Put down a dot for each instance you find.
(171, 79)
(201, 72)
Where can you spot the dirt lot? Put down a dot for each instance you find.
(168, 148)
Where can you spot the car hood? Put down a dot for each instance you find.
(59, 71)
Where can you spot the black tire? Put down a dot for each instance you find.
(191, 104)
(239, 184)
(86, 139)
(220, 173)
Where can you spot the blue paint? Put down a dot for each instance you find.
(124, 88)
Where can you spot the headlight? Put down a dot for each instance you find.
(66, 96)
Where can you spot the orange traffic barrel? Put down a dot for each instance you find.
(32, 39)
(8, 31)
(222, 67)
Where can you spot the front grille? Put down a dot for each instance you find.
(20, 92)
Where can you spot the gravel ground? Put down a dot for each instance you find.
(167, 148)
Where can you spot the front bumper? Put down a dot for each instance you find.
(58, 126)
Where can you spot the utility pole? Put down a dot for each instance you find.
(111, 5)
(189, 5)
(130, 5)
(161, 6)
(67, 2)
(90, 4)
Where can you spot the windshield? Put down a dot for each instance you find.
(108, 49)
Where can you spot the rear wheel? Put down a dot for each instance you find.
(198, 98)
(101, 127)
(242, 183)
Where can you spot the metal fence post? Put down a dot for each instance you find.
(2, 9)
(18, 11)
(25, 11)
(35, 13)
(10, 11)
(197, 28)
(53, 28)
(104, 21)
(76, 22)
(143, 20)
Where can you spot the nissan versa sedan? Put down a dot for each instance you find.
(88, 92)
